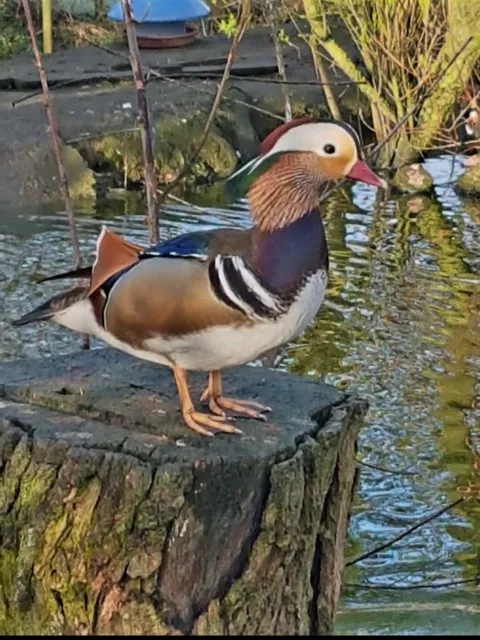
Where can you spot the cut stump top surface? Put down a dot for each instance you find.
(106, 400)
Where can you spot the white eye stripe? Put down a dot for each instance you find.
(240, 288)
(227, 290)
(253, 284)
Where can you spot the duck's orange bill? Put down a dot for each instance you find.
(362, 172)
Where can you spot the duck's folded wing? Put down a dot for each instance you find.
(189, 285)
(231, 278)
(165, 297)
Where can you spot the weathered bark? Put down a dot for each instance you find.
(115, 519)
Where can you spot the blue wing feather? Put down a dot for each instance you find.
(188, 245)
(192, 245)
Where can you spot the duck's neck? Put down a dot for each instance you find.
(285, 257)
(286, 191)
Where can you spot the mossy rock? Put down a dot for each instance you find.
(412, 178)
(81, 179)
(176, 141)
(469, 183)
(414, 204)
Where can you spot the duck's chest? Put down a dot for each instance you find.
(286, 258)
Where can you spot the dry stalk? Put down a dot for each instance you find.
(245, 13)
(406, 533)
(56, 142)
(270, 15)
(143, 120)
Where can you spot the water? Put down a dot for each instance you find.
(402, 328)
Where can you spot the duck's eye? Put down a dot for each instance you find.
(329, 148)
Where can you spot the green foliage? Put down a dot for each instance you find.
(406, 48)
(13, 32)
(228, 25)
(12, 40)
(176, 140)
(283, 37)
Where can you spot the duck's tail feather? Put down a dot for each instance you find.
(82, 272)
(48, 309)
(113, 255)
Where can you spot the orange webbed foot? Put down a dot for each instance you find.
(218, 403)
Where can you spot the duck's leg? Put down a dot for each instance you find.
(194, 419)
(218, 403)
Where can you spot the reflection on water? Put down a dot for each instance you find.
(402, 328)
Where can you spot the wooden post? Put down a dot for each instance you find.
(47, 26)
(116, 519)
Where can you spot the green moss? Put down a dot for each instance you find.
(81, 180)
(469, 183)
(137, 618)
(8, 561)
(53, 533)
(74, 598)
(12, 474)
(211, 622)
(145, 561)
(176, 141)
(412, 179)
(82, 510)
(36, 482)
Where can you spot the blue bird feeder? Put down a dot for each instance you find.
(162, 24)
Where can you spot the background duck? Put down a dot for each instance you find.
(213, 299)
(472, 137)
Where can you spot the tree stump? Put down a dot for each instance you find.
(117, 519)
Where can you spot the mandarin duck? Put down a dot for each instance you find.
(208, 300)
(471, 137)
(472, 124)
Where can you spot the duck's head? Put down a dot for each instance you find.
(472, 123)
(295, 160)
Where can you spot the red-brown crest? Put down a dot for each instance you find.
(270, 141)
(113, 254)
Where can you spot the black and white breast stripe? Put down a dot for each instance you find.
(236, 285)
